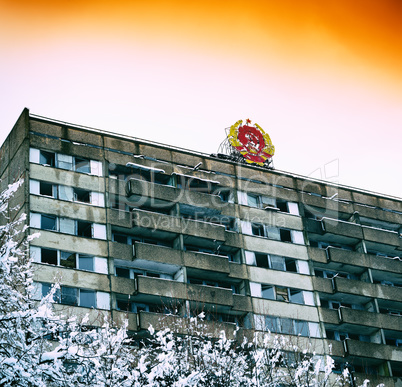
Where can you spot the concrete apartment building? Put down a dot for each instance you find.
(144, 230)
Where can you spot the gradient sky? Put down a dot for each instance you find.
(322, 77)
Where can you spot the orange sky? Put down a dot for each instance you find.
(369, 30)
(320, 70)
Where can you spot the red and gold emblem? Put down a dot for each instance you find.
(251, 141)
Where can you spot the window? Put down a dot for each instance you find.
(277, 262)
(81, 195)
(84, 229)
(82, 165)
(257, 229)
(87, 298)
(262, 260)
(48, 222)
(268, 292)
(67, 259)
(86, 262)
(49, 256)
(47, 158)
(71, 296)
(282, 293)
(47, 189)
(290, 326)
(296, 296)
(265, 202)
(301, 328)
(66, 162)
(285, 235)
(122, 272)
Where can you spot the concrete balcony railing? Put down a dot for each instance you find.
(338, 227)
(372, 350)
(359, 317)
(153, 220)
(144, 191)
(343, 285)
(346, 257)
(203, 261)
(179, 290)
(358, 288)
(362, 317)
(382, 236)
(121, 251)
(365, 260)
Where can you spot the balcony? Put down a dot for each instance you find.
(372, 350)
(382, 236)
(178, 290)
(174, 224)
(350, 318)
(147, 192)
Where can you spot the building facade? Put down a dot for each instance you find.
(141, 230)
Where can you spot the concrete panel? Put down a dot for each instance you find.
(275, 277)
(69, 178)
(161, 254)
(120, 251)
(377, 351)
(67, 209)
(382, 236)
(51, 129)
(70, 277)
(264, 245)
(205, 261)
(83, 136)
(122, 285)
(351, 230)
(120, 144)
(54, 240)
(19, 132)
(155, 152)
(283, 309)
(238, 270)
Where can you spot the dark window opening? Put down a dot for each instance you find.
(285, 235)
(84, 229)
(262, 260)
(257, 229)
(120, 238)
(81, 195)
(282, 205)
(122, 272)
(48, 222)
(49, 256)
(46, 189)
(124, 305)
(291, 265)
(47, 158)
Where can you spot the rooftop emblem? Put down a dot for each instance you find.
(252, 142)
